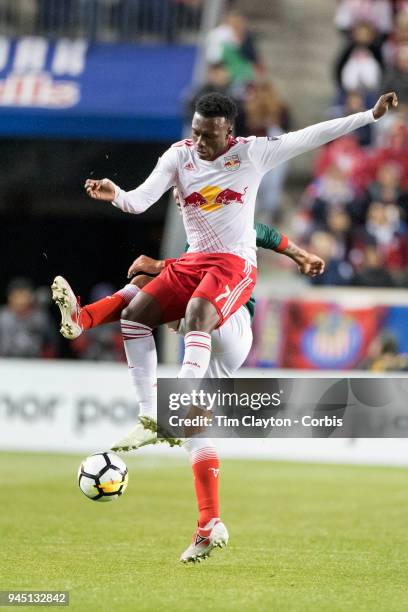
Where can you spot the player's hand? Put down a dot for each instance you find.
(100, 189)
(147, 265)
(384, 103)
(311, 265)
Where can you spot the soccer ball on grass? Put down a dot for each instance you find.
(103, 477)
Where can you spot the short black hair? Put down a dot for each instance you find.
(217, 105)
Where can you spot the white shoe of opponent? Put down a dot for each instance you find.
(70, 309)
(213, 535)
(144, 433)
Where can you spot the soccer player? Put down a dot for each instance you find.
(217, 177)
(231, 344)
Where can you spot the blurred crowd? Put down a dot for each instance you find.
(102, 20)
(235, 68)
(354, 212)
(29, 327)
(29, 324)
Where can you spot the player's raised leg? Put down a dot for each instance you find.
(75, 318)
(69, 307)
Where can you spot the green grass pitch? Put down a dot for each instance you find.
(303, 537)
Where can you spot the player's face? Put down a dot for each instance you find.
(210, 136)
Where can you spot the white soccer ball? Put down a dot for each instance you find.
(103, 477)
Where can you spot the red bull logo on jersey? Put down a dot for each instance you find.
(212, 197)
(232, 162)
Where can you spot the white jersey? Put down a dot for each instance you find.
(218, 197)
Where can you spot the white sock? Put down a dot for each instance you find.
(128, 292)
(200, 448)
(197, 353)
(141, 356)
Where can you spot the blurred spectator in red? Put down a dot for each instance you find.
(350, 159)
(233, 43)
(26, 329)
(350, 12)
(102, 343)
(394, 149)
(398, 38)
(371, 272)
(360, 64)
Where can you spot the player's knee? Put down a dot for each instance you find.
(142, 309)
(201, 316)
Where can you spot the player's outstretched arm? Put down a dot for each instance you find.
(268, 237)
(384, 103)
(101, 189)
(267, 153)
(140, 199)
(308, 263)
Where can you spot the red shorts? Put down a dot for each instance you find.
(223, 279)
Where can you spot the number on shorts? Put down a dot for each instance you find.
(223, 295)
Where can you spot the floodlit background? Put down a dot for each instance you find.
(93, 88)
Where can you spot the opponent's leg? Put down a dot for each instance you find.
(231, 344)
(200, 319)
